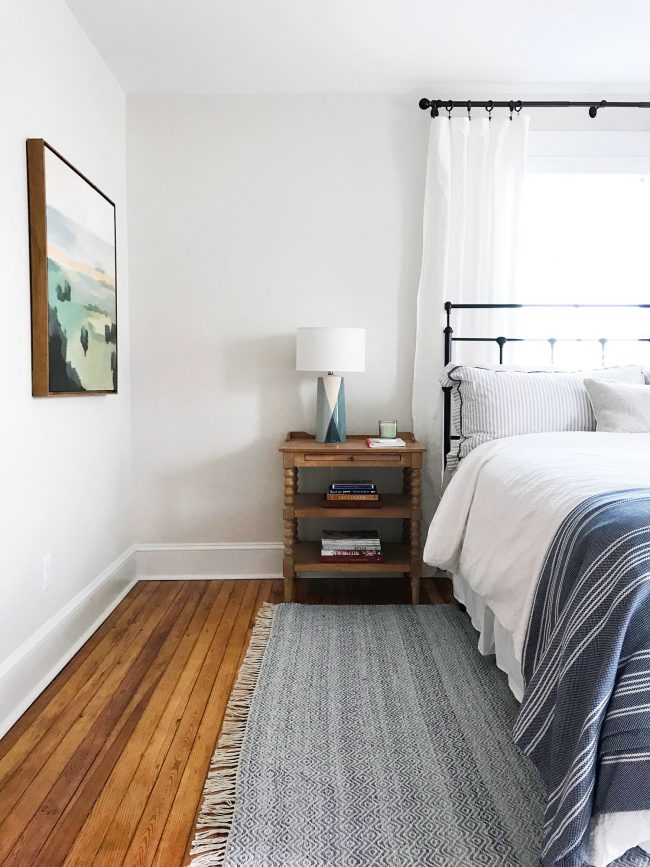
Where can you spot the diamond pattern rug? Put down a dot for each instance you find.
(369, 736)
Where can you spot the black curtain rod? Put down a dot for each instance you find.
(516, 105)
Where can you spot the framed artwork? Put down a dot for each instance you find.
(73, 278)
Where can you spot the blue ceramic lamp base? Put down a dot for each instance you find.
(330, 409)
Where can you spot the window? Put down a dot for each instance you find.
(584, 239)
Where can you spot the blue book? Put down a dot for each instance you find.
(361, 487)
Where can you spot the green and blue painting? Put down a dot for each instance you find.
(82, 309)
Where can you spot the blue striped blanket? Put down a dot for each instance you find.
(585, 716)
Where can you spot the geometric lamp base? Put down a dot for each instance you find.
(330, 409)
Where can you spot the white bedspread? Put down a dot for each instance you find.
(507, 499)
(495, 523)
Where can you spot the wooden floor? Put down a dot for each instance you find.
(107, 766)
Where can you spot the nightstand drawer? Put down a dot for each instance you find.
(326, 459)
(368, 459)
(377, 460)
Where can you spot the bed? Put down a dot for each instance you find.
(547, 538)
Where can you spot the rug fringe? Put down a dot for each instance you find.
(218, 805)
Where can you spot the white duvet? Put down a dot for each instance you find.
(496, 521)
(507, 499)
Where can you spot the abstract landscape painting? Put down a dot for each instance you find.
(72, 244)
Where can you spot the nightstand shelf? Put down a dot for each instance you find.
(397, 558)
(390, 506)
(300, 451)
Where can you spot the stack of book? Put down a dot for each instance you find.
(351, 546)
(352, 493)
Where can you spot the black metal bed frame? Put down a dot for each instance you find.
(501, 341)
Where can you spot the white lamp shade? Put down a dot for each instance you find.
(335, 349)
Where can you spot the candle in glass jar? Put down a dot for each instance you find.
(388, 429)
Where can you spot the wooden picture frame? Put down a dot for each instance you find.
(73, 270)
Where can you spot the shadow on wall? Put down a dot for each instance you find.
(412, 173)
(237, 494)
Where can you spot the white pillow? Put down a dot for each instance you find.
(620, 408)
(491, 403)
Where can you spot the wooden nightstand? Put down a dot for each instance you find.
(301, 451)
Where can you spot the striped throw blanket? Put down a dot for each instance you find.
(585, 716)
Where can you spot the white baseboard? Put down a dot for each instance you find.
(33, 665)
(209, 560)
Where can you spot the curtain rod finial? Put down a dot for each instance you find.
(593, 109)
(424, 103)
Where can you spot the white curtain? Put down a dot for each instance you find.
(474, 182)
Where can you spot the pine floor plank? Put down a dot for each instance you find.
(176, 835)
(430, 591)
(75, 753)
(41, 714)
(24, 791)
(263, 596)
(107, 766)
(120, 821)
(445, 589)
(89, 833)
(53, 711)
(277, 592)
(143, 723)
(208, 690)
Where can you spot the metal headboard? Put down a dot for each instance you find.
(500, 342)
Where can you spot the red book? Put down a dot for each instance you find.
(348, 558)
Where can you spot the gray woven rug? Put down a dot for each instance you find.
(377, 736)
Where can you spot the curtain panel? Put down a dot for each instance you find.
(472, 204)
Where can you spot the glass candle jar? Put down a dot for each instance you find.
(388, 429)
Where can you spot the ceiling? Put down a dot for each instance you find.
(366, 46)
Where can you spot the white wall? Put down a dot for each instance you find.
(65, 463)
(248, 218)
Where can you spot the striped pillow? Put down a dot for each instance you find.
(488, 404)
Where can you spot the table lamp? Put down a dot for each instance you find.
(327, 350)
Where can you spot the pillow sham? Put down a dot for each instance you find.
(492, 403)
(619, 407)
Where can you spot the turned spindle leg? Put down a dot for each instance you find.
(406, 523)
(290, 533)
(416, 551)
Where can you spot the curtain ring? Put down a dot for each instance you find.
(490, 108)
(449, 108)
(512, 108)
(469, 109)
(518, 107)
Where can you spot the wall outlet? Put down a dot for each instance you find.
(47, 571)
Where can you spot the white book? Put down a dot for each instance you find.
(348, 547)
(381, 443)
